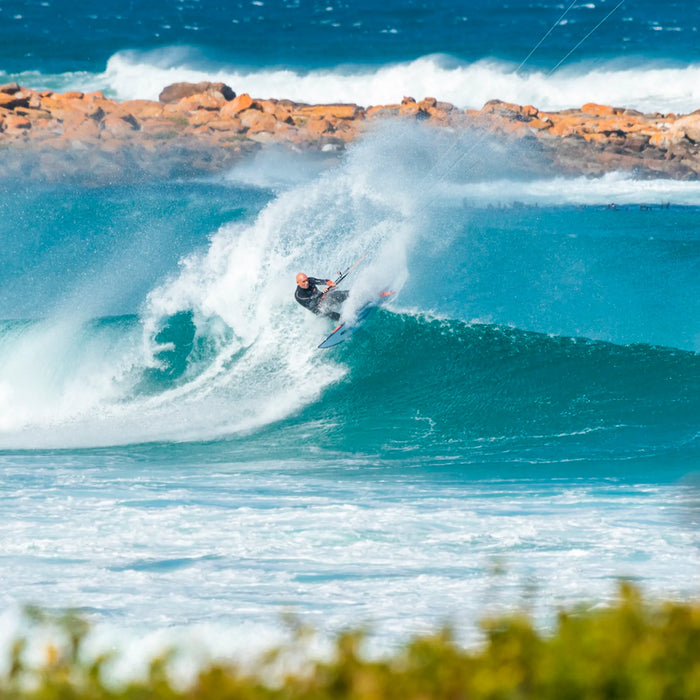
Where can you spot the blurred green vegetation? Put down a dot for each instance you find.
(631, 650)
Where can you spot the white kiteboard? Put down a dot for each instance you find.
(345, 330)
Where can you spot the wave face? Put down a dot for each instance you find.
(480, 263)
(482, 394)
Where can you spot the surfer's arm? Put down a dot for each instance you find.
(321, 283)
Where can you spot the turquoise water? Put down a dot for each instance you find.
(519, 427)
(553, 55)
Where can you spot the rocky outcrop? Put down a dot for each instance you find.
(205, 127)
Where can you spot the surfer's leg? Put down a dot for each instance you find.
(333, 300)
(338, 296)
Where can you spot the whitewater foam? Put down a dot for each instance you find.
(262, 367)
(612, 188)
(645, 85)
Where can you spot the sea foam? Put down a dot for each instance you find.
(644, 85)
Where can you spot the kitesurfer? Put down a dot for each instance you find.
(310, 295)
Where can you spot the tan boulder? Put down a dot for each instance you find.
(177, 91)
(233, 124)
(427, 103)
(32, 114)
(202, 116)
(238, 104)
(347, 130)
(159, 128)
(143, 109)
(382, 111)
(177, 109)
(660, 140)
(16, 122)
(508, 126)
(332, 111)
(503, 109)
(45, 128)
(409, 109)
(269, 106)
(316, 126)
(564, 125)
(263, 137)
(597, 110)
(690, 125)
(70, 108)
(118, 126)
(254, 121)
(11, 101)
(201, 101)
(85, 131)
(539, 124)
(288, 132)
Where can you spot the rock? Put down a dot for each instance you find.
(597, 110)
(159, 128)
(331, 111)
(16, 122)
(85, 131)
(13, 100)
(231, 125)
(255, 120)
(201, 101)
(316, 127)
(506, 110)
(177, 91)
(201, 116)
(382, 111)
(143, 109)
(10, 88)
(539, 124)
(408, 109)
(690, 125)
(427, 103)
(119, 126)
(197, 128)
(238, 104)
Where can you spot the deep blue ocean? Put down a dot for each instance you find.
(519, 427)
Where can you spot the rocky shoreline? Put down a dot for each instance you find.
(204, 128)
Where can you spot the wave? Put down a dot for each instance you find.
(220, 349)
(648, 85)
(408, 383)
(439, 386)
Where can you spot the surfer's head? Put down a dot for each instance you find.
(302, 280)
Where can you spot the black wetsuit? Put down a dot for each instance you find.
(316, 301)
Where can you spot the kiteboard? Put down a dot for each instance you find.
(345, 330)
